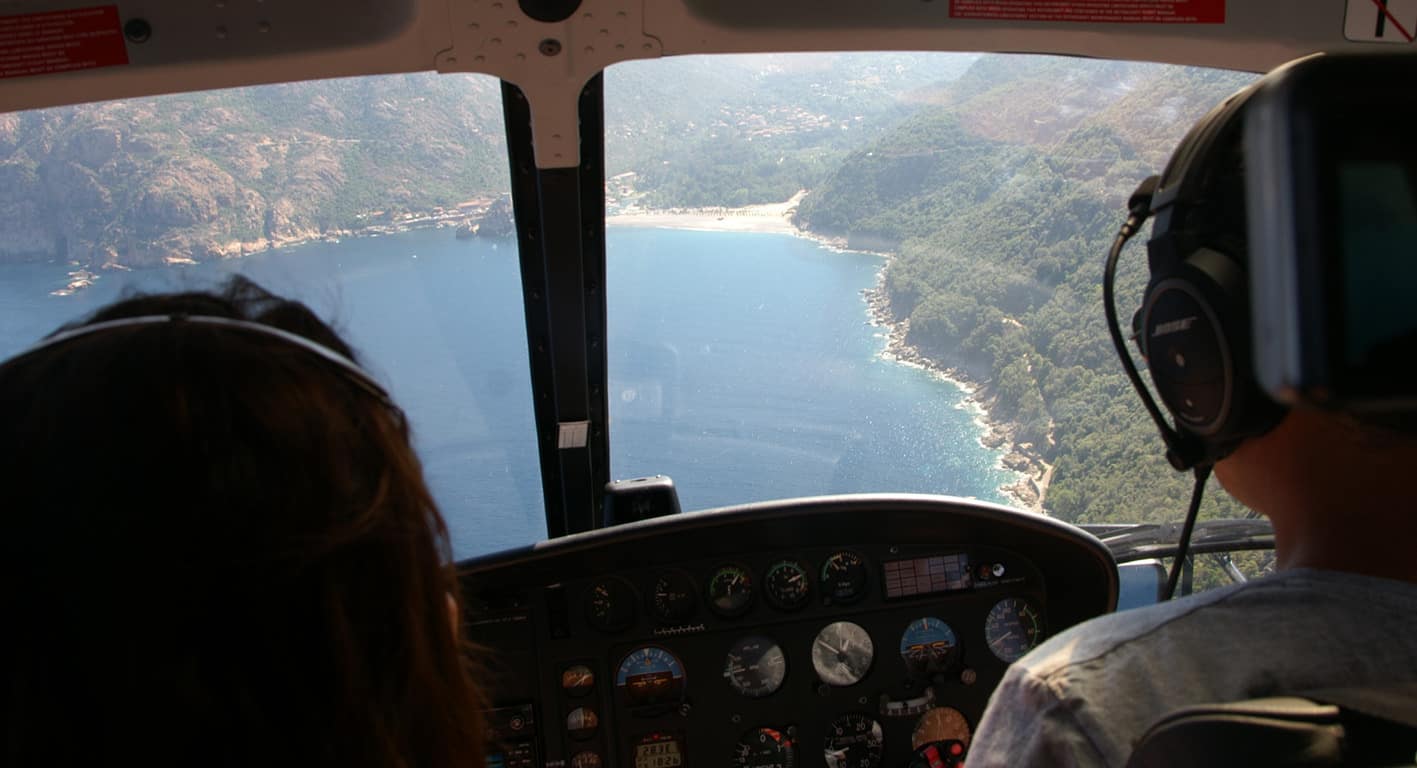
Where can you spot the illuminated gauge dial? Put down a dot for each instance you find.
(610, 605)
(651, 675)
(755, 667)
(765, 748)
(1014, 627)
(940, 725)
(853, 741)
(928, 646)
(842, 653)
(843, 578)
(788, 584)
(659, 750)
(577, 680)
(730, 590)
(673, 597)
(582, 722)
(586, 759)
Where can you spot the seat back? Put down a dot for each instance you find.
(1348, 727)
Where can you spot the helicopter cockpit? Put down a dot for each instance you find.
(898, 481)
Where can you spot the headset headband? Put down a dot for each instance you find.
(346, 366)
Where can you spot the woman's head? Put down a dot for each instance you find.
(218, 547)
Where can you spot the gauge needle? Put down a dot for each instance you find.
(823, 644)
(1003, 637)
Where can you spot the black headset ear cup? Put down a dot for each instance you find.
(1195, 333)
(1189, 355)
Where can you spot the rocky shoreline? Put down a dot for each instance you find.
(1031, 489)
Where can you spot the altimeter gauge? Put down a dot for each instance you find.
(755, 667)
(842, 653)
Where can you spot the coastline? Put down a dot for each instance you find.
(1034, 473)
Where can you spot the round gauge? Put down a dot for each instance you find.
(928, 645)
(843, 578)
(938, 754)
(941, 724)
(853, 741)
(755, 667)
(730, 590)
(1014, 627)
(586, 759)
(765, 748)
(651, 675)
(577, 680)
(673, 597)
(610, 605)
(659, 750)
(582, 722)
(788, 585)
(842, 653)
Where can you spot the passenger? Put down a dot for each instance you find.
(219, 549)
(1340, 611)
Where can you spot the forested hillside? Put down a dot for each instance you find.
(215, 174)
(1000, 202)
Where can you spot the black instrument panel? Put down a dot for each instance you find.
(846, 632)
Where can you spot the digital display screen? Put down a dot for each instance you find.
(927, 575)
(659, 752)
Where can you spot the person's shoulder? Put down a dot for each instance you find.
(1237, 605)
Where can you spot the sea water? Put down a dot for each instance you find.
(741, 365)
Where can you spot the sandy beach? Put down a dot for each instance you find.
(768, 217)
(1034, 474)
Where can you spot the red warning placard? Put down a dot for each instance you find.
(1094, 11)
(61, 41)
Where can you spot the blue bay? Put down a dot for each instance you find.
(742, 365)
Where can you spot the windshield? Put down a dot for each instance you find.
(359, 197)
(826, 272)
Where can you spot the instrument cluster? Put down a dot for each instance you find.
(850, 653)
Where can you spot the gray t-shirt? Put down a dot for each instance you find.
(1084, 697)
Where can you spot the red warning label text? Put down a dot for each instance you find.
(1094, 11)
(61, 41)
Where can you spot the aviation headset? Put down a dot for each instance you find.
(346, 367)
(1193, 327)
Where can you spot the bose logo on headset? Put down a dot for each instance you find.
(1174, 326)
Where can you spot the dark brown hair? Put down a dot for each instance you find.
(216, 549)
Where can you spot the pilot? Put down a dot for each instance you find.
(219, 549)
(1340, 610)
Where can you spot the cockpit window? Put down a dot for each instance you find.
(381, 202)
(857, 272)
